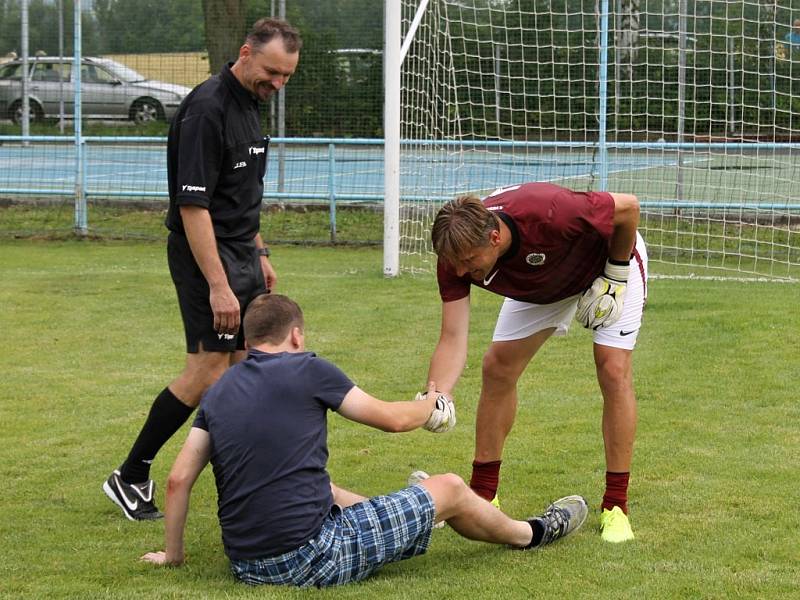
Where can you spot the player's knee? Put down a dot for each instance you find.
(450, 483)
(495, 368)
(202, 379)
(452, 490)
(214, 373)
(613, 369)
(197, 377)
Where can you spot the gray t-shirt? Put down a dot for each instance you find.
(267, 420)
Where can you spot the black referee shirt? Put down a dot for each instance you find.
(217, 157)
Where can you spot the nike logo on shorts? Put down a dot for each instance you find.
(626, 332)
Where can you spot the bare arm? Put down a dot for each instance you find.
(203, 242)
(626, 220)
(190, 462)
(270, 277)
(450, 354)
(387, 416)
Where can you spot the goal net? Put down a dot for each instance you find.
(692, 106)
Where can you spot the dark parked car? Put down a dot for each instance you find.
(109, 90)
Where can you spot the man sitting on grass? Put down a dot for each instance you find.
(263, 427)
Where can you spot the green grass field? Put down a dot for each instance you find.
(93, 333)
(683, 246)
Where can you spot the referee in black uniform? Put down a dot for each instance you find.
(216, 160)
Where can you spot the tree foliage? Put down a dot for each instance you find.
(125, 27)
(335, 93)
(332, 93)
(43, 20)
(547, 51)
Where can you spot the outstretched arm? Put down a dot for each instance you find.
(190, 462)
(359, 406)
(450, 355)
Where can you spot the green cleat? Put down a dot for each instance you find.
(615, 526)
(495, 501)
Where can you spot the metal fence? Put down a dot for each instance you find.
(127, 172)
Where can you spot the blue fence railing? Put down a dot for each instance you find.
(332, 170)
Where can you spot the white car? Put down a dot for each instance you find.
(109, 90)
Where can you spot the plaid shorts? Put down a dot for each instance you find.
(353, 543)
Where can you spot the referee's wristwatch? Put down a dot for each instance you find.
(263, 251)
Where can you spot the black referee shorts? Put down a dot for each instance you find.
(243, 267)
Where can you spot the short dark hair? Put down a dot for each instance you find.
(269, 318)
(264, 30)
(460, 226)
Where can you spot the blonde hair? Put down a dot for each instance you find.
(461, 225)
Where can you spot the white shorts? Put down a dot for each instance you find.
(518, 320)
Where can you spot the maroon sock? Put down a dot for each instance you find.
(485, 479)
(616, 491)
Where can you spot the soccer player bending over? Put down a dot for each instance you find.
(263, 427)
(554, 254)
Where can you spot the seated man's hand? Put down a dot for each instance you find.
(443, 416)
(601, 305)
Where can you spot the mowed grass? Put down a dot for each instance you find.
(92, 333)
(677, 247)
(305, 224)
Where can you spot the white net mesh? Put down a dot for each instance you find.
(692, 106)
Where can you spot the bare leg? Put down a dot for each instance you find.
(503, 363)
(201, 371)
(615, 376)
(237, 356)
(473, 517)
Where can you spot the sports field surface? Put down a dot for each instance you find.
(92, 333)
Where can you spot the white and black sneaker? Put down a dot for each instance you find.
(135, 499)
(561, 518)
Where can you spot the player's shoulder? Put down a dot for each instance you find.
(207, 99)
(316, 362)
(528, 200)
(303, 363)
(526, 193)
(210, 88)
(321, 369)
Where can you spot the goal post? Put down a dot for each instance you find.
(391, 147)
(692, 107)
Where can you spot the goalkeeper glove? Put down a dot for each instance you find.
(443, 416)
(601, 305)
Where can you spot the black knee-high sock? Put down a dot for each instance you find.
(166, 416)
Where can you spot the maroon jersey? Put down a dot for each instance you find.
(559, 244)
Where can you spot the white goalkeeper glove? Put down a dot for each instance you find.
(601, 305)
(443, 417)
